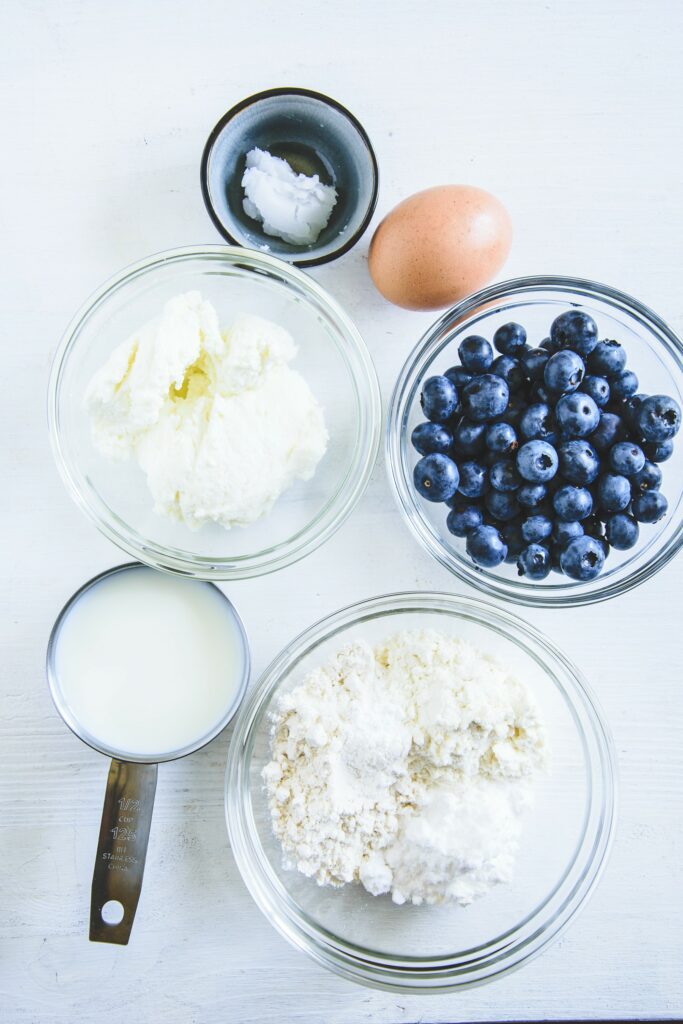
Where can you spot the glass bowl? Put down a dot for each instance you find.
(332, 357)
(565, 842)
(654, 352)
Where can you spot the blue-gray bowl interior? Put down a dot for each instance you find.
(315, 136)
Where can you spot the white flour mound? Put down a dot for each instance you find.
(406, 767)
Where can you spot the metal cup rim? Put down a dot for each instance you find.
(77, 728)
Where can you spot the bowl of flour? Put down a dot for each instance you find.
(421, 792)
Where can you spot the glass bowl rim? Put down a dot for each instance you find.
(432, 974)
(328, 101)
(562, 594)
(334, 511)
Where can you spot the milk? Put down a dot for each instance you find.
(149, 664)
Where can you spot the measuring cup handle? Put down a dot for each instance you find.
(121, 850)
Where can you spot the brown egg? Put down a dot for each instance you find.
(439, 245)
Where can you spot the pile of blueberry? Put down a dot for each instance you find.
(546, 456)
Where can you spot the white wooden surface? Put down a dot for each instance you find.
(570, 112)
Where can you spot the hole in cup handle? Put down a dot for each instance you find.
(121, 850)
(112, 912)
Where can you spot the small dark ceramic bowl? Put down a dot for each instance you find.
(316, 135)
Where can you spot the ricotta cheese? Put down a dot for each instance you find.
(406, 768)
(218, 421)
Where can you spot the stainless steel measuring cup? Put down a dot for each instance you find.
(129, 796)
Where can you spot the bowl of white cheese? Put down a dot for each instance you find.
(214, 412)
(421, 792)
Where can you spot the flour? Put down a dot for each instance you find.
(406, 768)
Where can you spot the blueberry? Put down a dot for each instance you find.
(518, 401)
(577, 414)
(565, 531)
(461, 521)
(583, 559)
(607, 359)
(597, 388)
(501, 438)
(650, 507)
(476, 354)
(510, 339)
(609, 430)
(626, 458)
(623, 385)
(487, 458)
(536, 422)
(573, 503)
(472, 479)
(510, 370)
(528, 386)
(534, 562)
(658, 452)
(659, 418)
(533, 363)
(544, 509)
(579, 462)
(486, 547)
(436, 477)
(554, 483)
(622, 531)
(502, 505)
(537, 461)
(555, 557)
(540, 393)
(536, 529)
(602, 541)
(629, 410)
(458, 376)
(468, 437)
(550, 346)
(516, 406)
(512, 535)
(431, 437)
(648, 478)
(460, 502)
(576, 331)
(439, 399)
(613, 492)
(531, 495)
(504, 476)
(564, 372)
(485, 397)
(593, 526)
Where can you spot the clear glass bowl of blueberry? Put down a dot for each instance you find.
(531, 441)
